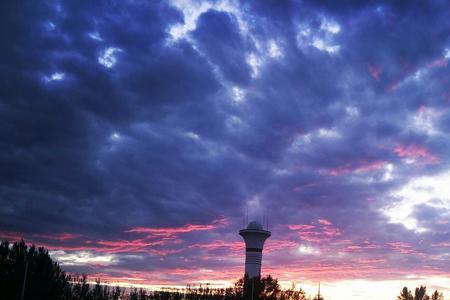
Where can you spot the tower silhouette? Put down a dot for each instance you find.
(254, 236)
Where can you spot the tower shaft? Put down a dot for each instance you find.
(253, 259)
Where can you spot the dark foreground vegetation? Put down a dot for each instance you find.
(419, 294)
(45, 280)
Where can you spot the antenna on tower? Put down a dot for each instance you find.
(246, 216)
(263, 223)
(265, 218)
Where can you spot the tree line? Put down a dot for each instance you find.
(420, 293)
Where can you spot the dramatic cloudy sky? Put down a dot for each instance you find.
(133, 134)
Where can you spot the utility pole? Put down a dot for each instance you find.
(253, 286)
(318, 295)
(24, 278)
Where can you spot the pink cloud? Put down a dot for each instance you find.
(332, 231)
(158, 240)
(316, 234)
(391, 86)
(371, 261)
(11, 235)
(300, 227)
(237, 246)
(324, 222)
(440, 62)
(59, 237)
(404, 248)
(375, 71)
(360, 166)
(422, 108)
(360, 248)
(277, 245)
(169, 231)
(311, 236)
(302, 187)
(139, 245)
(443, 244)
(119, 246)
(415, 152)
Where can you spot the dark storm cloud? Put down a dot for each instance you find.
(217, 35)
(61, 165)
(315, 110)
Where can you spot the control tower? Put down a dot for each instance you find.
(254, 236)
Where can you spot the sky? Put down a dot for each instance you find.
(134, 135)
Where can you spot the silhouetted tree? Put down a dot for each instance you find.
(421, 293)
(117, 293)
(292, 294)
(266, 288)
(437, 296)
(84, 288)
(97, 292)
(45, 280)
(270, 289)
(142, 294)
(405, 294)
(238, 290)
(134, 294)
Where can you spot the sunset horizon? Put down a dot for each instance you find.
(337, 281)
